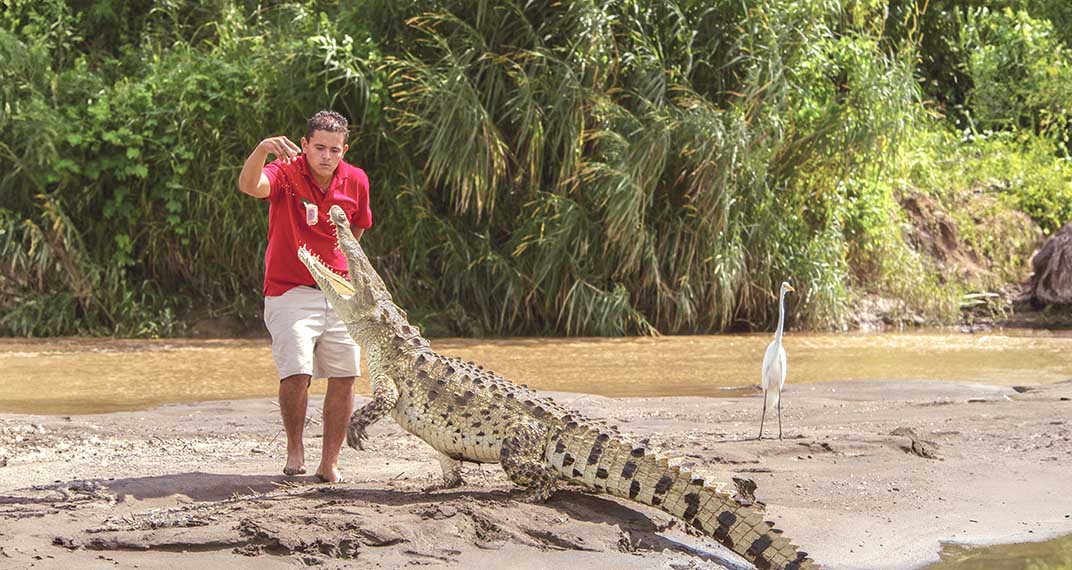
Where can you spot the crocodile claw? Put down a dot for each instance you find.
(356, 436)
(442, 486)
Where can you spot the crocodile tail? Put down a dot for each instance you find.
(600, 459)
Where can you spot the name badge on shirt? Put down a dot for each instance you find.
(310, 214)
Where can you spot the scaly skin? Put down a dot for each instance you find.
(468, 413)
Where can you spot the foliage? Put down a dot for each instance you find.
(537, 167)
(1023, 170)
(1021, 72)
(980, 189)
(144, 159)
(993, 64)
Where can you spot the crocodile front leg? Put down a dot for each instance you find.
(522, 459)
(452, 474)
(384, 397)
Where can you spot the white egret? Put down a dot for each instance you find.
(774, 366)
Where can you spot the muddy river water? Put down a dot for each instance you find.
(79, 376)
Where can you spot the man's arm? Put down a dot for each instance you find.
(252, 179)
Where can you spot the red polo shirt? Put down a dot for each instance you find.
(292, 187)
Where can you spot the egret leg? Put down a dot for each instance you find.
(764, 416)
(779, 418)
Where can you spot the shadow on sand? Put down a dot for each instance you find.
(315, 501)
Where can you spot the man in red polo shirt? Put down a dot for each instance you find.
(308, 339)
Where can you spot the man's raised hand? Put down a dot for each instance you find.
(281, 147)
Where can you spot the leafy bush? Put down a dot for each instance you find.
(1003, 192)
(1020, 70)
(537, 167)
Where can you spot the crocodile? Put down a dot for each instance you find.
(469, 413)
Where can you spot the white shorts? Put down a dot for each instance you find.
(308, 337)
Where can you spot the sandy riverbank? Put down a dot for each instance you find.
(199, 485)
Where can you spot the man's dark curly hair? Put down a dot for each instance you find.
(329, 121)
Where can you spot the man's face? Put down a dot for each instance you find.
(323, 151)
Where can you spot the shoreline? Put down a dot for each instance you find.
(202, 482)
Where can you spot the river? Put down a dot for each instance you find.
(82, 376)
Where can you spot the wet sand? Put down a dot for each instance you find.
(199, 485)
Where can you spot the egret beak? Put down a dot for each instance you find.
(790, 288)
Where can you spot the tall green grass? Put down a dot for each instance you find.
(537, 167)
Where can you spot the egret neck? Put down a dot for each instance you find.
(781, 318)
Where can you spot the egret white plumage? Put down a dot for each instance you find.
(774, 366)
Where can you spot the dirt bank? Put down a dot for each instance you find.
(199, 485)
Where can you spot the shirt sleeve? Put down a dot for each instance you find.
(362, 216)
(276, 179)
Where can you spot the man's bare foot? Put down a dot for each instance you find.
(295, 466)
(331, 475)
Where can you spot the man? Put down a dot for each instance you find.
(307, 337)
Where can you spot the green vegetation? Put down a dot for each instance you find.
(537, 167)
